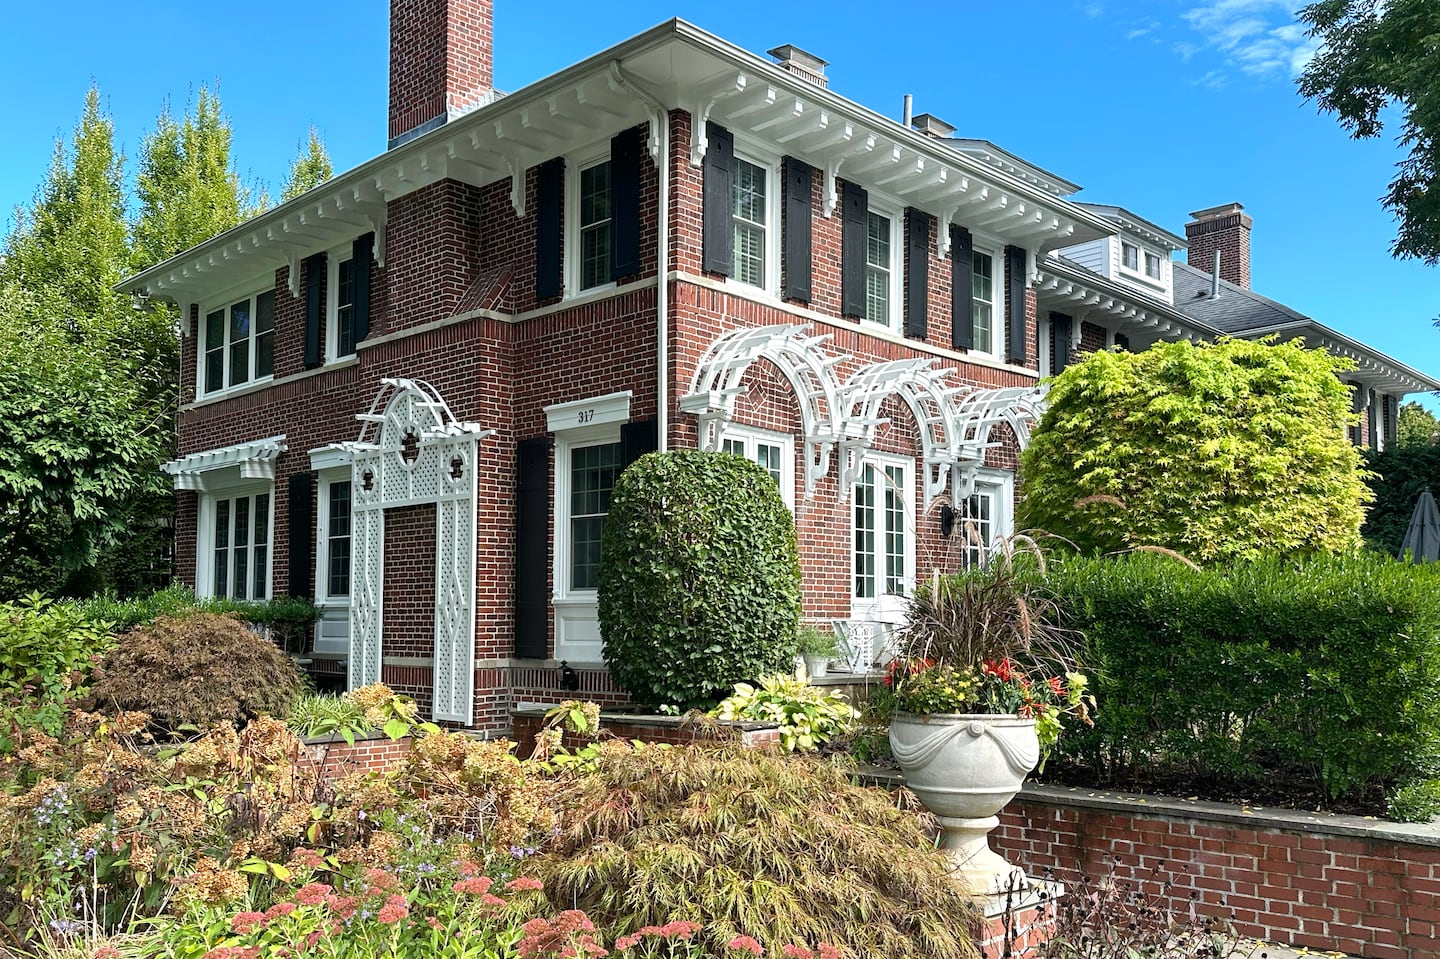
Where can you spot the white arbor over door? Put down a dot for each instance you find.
(412, 451)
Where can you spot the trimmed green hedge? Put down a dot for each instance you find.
(281, 612)
(1325, 669)
(699, 578)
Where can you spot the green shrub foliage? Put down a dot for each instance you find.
(1397, 477)
(748, 841)
(699, 578)
(196, 670)
(1326, 670)
(46, 653)
(1220, 451)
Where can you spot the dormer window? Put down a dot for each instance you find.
(1130, 257)
(1152, 266)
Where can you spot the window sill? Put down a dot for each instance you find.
(255, 386)
(249, 386)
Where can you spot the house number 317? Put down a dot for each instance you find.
(586, 416)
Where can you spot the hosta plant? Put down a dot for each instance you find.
(807, 717)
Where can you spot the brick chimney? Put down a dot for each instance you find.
(441, 62)
(1227, 229)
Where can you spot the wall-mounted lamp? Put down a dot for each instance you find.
(947, 520)
(569, 679)
(139, 300)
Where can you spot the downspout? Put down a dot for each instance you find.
(662, 263)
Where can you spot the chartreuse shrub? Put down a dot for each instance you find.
(1219, 451)
(196, 670)
(699, 577)
(46, 653)
(1324, 670)
(754, 842)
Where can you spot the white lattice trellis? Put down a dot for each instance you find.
(799, 359)
(412, 450)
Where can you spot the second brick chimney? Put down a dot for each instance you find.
(1227, 229)
(441, 62)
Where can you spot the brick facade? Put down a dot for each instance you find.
(1225, 229)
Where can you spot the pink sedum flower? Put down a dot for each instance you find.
(746, 944)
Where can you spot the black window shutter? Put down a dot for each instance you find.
(797, 230)
(1374, 420)
(532, 548)
(638, 438)
(1060, 331)
(300, 495)
(917, 273)
(550, 197)
(1357, 406)
(719, 238)
(1122, 341)
(1392, 419)
(1015, 303)
(962, 289)
(854, 211)
(314, 289)
(625, 152)
(362, 250)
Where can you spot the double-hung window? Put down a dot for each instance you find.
(340, 305)
(1130, 257)
(984, 300)
(749, 216)
(1152, 265)
(879, 268)
(337, 539)
(235, 546)
(595, 235)
(986, 517)
(774, 452)
(593, 471)
(883, 540)
(239, 342)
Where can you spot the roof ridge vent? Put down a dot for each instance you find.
(804, 65)
(932, 126)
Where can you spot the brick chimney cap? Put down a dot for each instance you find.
(1215, 212)
(788, 52)
(932, 125)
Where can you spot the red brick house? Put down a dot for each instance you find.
(408, 391)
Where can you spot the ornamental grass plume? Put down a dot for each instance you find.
(750, 843)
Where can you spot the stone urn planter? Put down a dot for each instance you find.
(965, 768)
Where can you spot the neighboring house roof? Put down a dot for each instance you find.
(1062, 279)
(1245, 313)
(1137, 224)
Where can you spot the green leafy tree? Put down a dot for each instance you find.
(187, 187)
(71, 242)
(1220, 451)
(1416, 426)
(310, 168)
(1372, 57)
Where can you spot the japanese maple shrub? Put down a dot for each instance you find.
(1217, 450)
(699, 577)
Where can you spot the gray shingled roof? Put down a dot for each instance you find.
(1235, 310)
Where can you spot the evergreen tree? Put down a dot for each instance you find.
(1416, 426)
(310, 168)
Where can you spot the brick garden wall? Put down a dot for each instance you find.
(1329, 883)
(339, 758)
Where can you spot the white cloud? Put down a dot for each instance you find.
(1092, 9)
(1259, 38)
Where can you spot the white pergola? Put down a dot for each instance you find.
(955, 420)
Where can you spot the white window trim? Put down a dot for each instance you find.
(574, 164)
(757, 153)
(752, 436)
(882, 206)
(1001, 485)
(566, 443)
(863, 605)
(205, 535)
(995, 250)
(333, 258)
(223, 301)
(323, 597)
(1138, 275)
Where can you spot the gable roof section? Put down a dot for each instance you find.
(1245, 313)
(1137, 224)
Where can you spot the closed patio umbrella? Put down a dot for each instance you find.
(1422, 538)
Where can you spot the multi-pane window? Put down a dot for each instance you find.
(1152, 266)
(1130, 256)
(877, 268)
(593, 470)
(240, 547)
(977, 528)
(345, 308)
(239, 342)
(773, 452)
(337, 540)
(881, 549)
(747, 209)
(982, 300)
(595, 225)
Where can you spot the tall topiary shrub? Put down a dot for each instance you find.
(1218, 450)
(699, 577)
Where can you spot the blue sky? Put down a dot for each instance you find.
(1162, 107)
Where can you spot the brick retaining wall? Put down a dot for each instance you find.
(337, 758)
(1367, 888)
